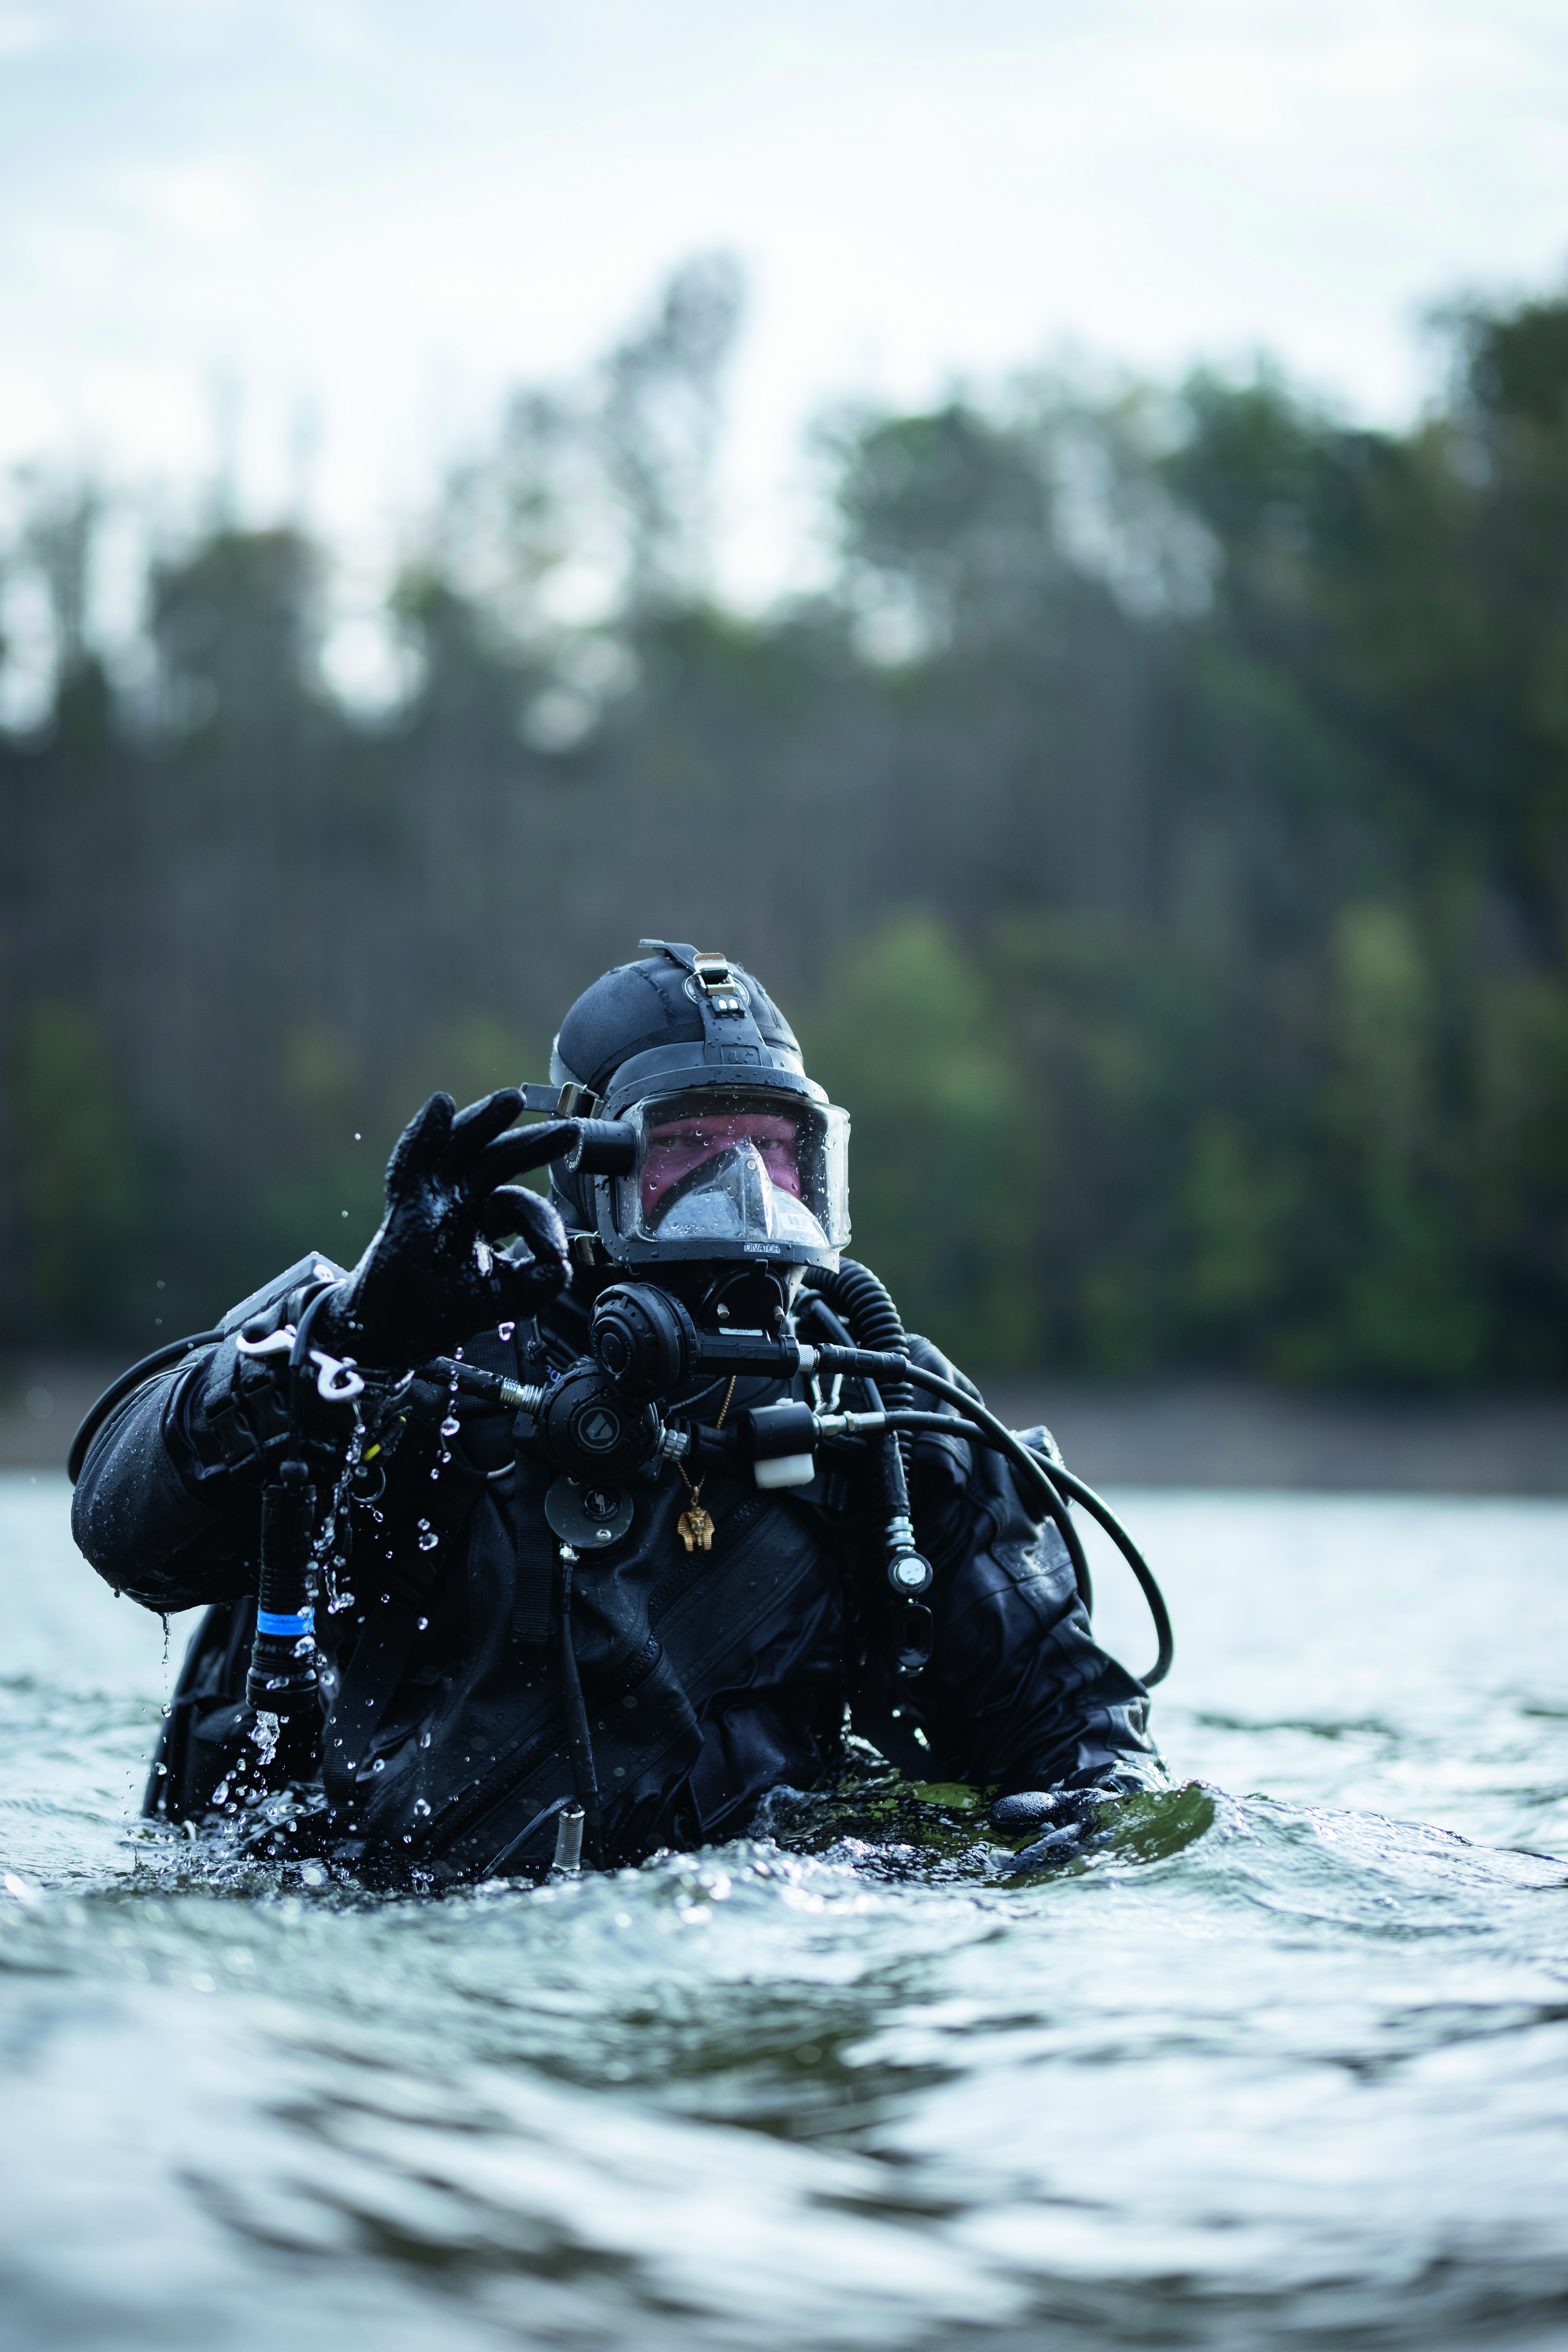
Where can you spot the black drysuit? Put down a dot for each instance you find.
(709, 1678)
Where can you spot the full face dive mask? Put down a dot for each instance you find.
(705, 1138)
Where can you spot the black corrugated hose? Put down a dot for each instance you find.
(855, 1295)
(865, 1305)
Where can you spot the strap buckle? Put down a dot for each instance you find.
(570, 1101)
(714, 977)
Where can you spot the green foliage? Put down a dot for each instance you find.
(1158, 828)
(945, 1159)
(78, 1181)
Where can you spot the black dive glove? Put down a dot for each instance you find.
(429, 1277)
(1064, 1822)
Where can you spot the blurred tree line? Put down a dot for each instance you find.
(1157, 829)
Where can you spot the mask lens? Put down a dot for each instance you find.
(750, 1168)
(678, 1149)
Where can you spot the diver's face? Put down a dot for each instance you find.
(673, 1150)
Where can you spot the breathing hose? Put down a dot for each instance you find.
(860, 1299)
(1048, 1481)
(863, 1290)
(872, 1294)
(1100, 1510)
(943, 1425)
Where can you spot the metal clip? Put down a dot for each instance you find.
(713, 978)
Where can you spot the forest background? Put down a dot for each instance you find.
(1156, 826)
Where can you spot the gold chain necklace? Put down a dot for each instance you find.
(696, 1527)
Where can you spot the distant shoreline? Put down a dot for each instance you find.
(1174, 1433)
(1209, 1432)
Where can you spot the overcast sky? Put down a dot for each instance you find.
(384, 212)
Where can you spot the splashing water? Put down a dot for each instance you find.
(264, 1731)
(1257, 2071)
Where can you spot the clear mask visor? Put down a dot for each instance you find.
(751, 1168)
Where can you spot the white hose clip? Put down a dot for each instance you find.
(277, 1343)
(336, 1380)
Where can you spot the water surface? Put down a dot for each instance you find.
(1284, 2063)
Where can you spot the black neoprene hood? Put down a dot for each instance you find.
(654, 1005)
(654, 1008)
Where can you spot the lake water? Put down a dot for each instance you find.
(1286, 2063)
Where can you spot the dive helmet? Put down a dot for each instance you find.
(706, 1140)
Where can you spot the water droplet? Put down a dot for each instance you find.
(451, 1425)
(429, 1540)
(423, 1625)
(425, 1739)
(385, 1598)
(505, 1330)
(419, 1804)
(220, 1794)
(436, 1472)
(264, 1732)
(380, 1764)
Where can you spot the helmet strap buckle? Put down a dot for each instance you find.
(714, 977)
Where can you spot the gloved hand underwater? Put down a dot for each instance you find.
(429, 1277)
(1066, 1821)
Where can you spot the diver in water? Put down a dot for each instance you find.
(590, 1513)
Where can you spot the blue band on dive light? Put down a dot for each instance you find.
(285, 1628)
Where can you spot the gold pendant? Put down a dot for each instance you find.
(696, 1528)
